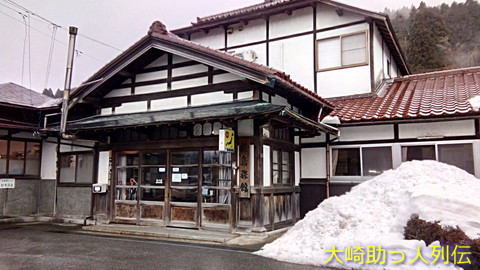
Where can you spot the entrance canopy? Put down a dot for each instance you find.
(236, 110)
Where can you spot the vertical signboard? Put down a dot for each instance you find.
(226, 140)
(244, 167)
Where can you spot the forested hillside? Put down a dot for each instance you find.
(441, 37)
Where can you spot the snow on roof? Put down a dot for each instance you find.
(375, 212)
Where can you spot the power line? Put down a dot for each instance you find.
(49, 36)
(50, 55)
(59, 26)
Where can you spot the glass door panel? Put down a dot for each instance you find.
(126, 186)
(184, 185)
(152, 185)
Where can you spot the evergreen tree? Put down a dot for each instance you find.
(428, 40)
(48, 92)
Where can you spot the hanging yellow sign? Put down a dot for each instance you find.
(226, 141)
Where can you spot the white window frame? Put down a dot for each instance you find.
(356, 178)
(341, 66)
(397, 156)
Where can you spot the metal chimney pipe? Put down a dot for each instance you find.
(68, 79)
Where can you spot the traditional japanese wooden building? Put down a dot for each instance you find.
(155, 118)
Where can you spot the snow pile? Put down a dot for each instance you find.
(375, 212)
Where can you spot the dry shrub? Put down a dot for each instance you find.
(419, 229)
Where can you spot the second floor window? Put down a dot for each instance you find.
(342, 51)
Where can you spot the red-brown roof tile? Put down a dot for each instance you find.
(443, 93)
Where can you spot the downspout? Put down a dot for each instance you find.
(68, 83)
(327, 184)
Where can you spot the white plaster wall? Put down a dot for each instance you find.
(226, 77)
(189, 70)
(396, 155)
(295, 57)
(344, 82)
(450, 128)
(366, 133)
(168, 103)
(189, 83)
(248, 95)
(131, 107)
(283, 24)
(245, 127)
(211, 98)
(259, 49)
(316, 139)
(49, 161)
(327, 17)
(150, 88)
(297, 168)
(103, 167)
(395, 72)
(313, 163)
(267, 173)
(476, 158)
(214, 39)
(106, 111)
(119, 92)
(254, 31)
(178, 59)
(161, 61)
(156, 75)
(265, 96)
(278, 100)
(379, 60)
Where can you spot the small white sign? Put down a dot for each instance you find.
(7, 183)
(176, 177)
(161, 169)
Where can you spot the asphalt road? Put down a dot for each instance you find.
(46, 246)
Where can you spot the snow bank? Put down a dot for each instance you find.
(375, 213)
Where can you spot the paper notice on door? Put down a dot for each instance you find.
(184, 175)
(176, 177)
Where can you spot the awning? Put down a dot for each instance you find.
(234, 110)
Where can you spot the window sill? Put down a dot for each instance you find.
(342, 67)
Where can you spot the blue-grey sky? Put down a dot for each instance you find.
(117, 23)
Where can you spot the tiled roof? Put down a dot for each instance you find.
(236, 12)
(193, 114)
(17, 95)
(158, 31)
(436, 94)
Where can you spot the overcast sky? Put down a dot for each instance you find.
(116, 23)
